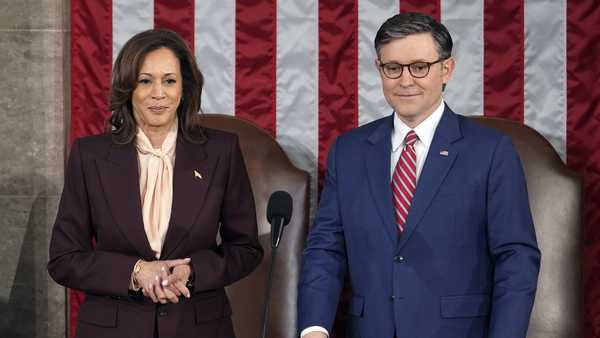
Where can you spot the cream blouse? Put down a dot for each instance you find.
(156, 185)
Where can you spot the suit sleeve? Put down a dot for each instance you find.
(74, 262)
(512, 244)
(324, 259)
(240, 251)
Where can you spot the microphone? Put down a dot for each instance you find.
(279, 213)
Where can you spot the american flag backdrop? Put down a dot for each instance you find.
(304, 71)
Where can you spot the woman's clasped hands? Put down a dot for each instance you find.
(164, 281)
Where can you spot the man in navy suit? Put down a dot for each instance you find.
(426, 211)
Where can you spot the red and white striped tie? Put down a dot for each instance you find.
(404, 180)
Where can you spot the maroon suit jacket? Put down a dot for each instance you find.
(101, 201)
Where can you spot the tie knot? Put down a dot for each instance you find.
(410, 138)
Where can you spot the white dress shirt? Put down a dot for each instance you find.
(424, 131)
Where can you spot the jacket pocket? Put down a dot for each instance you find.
(357, 305)
(99, 312)
(209, 309)
(465, 306)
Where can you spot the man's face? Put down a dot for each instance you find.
(414, 99)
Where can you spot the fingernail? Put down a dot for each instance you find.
(156, 278)
(165, 282)
(162, 268)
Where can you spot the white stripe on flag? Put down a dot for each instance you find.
(545, 73)
(464, 20)
(214, 42)
(371, 102)
(130, 17)
(296, 110)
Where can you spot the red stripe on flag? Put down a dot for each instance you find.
(429, 7)
(91, 66)
(178, 16)
(255, 61)
(504, 55)
(75, 299)
(583, 140)
(338, 73)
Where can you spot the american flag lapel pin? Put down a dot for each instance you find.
(197, 175)
(444, 152)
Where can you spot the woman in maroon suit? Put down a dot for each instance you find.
(154, 192)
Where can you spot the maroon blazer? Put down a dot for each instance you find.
(101, 201)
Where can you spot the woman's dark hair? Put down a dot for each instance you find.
(122, 124)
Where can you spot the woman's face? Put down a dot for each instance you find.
(158, 91)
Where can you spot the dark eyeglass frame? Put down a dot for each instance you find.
(428, 64)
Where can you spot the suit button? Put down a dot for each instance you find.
(399, 259)
(392, 298)
(162, 310)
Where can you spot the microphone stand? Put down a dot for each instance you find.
(274, 246)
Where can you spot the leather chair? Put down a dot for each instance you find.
(555, 197)
(270, 170)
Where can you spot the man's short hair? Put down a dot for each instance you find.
(404, 24)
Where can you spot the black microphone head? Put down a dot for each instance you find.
(280, 205)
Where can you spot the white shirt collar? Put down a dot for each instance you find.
(424, 130)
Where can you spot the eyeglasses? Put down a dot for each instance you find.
(419, 70)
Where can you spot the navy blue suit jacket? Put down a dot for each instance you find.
(465, 266)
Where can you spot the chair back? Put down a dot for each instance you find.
(270, 170)
(555, 197)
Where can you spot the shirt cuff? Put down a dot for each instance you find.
(313, 329)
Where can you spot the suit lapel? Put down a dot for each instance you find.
(119, 178)
(192, 176)
(440, 159)
(377, 158)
